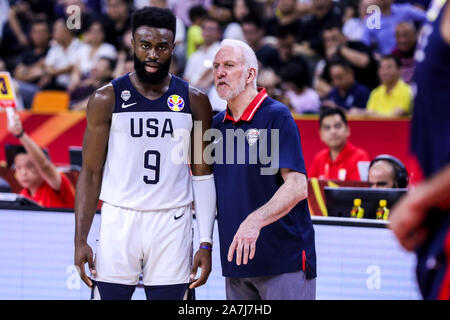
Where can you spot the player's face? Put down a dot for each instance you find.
(229, 73)
(334, 132)
(153, 49)
(381, 175)
(26, 172)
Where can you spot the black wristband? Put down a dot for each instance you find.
(20, 134)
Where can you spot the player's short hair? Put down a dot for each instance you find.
(249, 55)
(153, 17)
(327, 111)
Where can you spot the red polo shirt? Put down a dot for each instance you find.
(49, 198)
(343, 168)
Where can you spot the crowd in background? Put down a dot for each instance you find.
(312, 53)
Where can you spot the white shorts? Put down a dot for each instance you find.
(157, 244)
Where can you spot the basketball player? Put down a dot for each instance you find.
(127, 163)
(421, 220)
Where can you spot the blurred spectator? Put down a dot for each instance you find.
(4, 15)
(358, 55)
(88, 15)
(393, 97)
(100, 75)
(93, 49)
(125, 63)
(354, 27)
(221, 10)
(406, 39)
(194, 33)
(266, 54)
(339, 160)
(15, 34)
(347, 93)
(299, 97)
(61, 58)
(386, 171)
(118, 21)
(31, 67)
(4, 186)
(241, 9)
(288, 49)
(37, 175)
(323, 12)
(198, 70)
(382, 37)
(286, 14)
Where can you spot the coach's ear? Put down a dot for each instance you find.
(251, 75)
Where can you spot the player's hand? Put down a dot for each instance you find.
(405, 220)
(202, 259)
(244, 241)
(83, 254)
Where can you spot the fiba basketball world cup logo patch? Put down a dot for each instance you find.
(252, 136)
(175, 102)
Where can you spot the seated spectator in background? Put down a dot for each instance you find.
(339, 160)
(286, 15)
(346, 93)
(61, 57)
(298, 95)
(288, 49)
(31, 65)
(386, 171)
(4, 186)
(323, 12)
(393, 97)
(37, 175)
(198, 71)
(93, 49)
(118, 21)
(125, 62)
(100, 75)
(221, 10)
(253, 29)
(194, 32)
(406, 39)
(358, 55)
(382, 38)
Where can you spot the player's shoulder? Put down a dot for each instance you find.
(218, 118)
(102, 100)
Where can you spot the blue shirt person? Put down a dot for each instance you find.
(265, 229)
(381, 34)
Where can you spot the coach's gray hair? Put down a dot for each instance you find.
(247, 53)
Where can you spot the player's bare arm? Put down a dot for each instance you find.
(292, 191)
(95, 142)
(201, 111)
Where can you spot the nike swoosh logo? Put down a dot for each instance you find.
(217, 141)
(124, 106)
(176, 218)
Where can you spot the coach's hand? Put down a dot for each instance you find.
(202, 259)
(83, 254)
(244, 241)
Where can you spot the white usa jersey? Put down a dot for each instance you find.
(146, 165)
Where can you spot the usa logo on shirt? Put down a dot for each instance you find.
(125, 95)
(252, 136)
(175, 102)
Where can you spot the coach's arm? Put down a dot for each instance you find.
(95, 143)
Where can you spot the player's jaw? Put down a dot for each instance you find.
(151, 72)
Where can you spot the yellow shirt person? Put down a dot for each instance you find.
(390, 103)
(393, 97)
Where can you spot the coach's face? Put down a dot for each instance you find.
(230, 74)
(153, 50)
